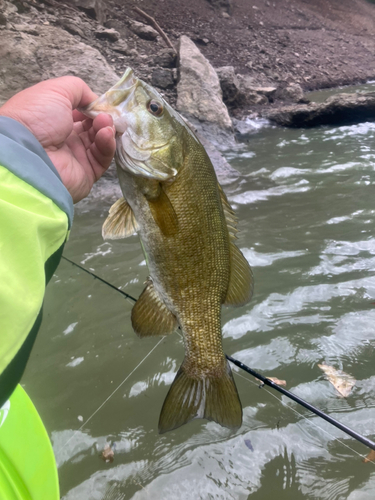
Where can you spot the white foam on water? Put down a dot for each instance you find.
(70, 328)
(76, 362)
(258, 259)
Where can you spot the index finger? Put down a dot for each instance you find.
(75, 89)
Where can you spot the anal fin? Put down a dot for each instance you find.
(120, 222)
(150, 316)
(213, 398)
(241, 282)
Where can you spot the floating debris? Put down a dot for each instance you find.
(370, 457)
(341, 381)
(277, 381)
(249, 445)
(108, 453)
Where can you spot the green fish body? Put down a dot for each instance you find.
(187, 230)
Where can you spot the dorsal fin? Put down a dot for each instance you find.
(230, 216)
(241, 282)
(120, 222)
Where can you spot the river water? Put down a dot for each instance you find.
(305, 201)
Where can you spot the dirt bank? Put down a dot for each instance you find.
(318, 43)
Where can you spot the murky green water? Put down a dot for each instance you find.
(321, 95)
(305, 200)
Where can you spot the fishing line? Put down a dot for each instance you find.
(311, 422)
(126, 295)
(367, 442)
(112, 393)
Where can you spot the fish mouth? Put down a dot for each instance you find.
(115, 100)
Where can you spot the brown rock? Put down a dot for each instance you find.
(162, 78)
(27, 59)
(107, 34)
(143, 31)
(93, 8)
(336, 110)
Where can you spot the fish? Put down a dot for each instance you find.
(187, 228)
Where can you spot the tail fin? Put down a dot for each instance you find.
(211, 398)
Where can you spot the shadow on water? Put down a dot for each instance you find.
(305, 203)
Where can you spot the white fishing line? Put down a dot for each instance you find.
(112, 393)
(311, 422)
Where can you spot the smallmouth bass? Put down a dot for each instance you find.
(187, 228)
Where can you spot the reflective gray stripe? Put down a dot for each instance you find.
(23, 155)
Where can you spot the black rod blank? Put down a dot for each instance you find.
(305, 404)
(265, 380)
(100, 279)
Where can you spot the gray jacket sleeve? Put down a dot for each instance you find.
(23, 155)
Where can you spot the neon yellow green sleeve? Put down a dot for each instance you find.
(32, 229)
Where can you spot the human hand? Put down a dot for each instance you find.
(81, 149)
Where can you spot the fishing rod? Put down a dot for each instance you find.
(264, 380)
(100, 279)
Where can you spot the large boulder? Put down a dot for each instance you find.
(27, 59)
(336, 110)
(198, 90)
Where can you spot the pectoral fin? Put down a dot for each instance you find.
(164, 214)
(241, 281)
(150, 316)
(120, 222)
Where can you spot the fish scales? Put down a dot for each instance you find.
(186, 226)
(200, 247)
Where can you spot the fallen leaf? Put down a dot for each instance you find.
(277, 381)
(108, 453)
(341, 381)
(370, 457)
(273, 379)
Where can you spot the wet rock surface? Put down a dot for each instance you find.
(338, 109)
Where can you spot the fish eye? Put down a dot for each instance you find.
(155, 108)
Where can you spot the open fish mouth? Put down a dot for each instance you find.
(115, 100)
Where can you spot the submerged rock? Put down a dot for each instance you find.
(336, 110)
(243, 130)
(198, 91)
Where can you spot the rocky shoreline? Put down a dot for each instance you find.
(228, 58)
